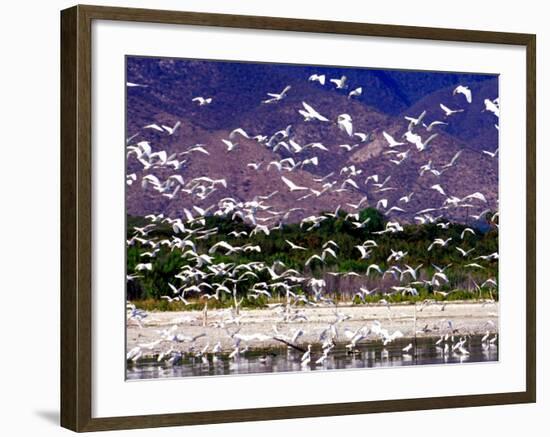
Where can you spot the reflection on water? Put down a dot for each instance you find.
(372, 354)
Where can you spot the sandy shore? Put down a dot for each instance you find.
(431, 321)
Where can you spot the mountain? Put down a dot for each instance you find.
(475, 126)
(172, 83)
(238, 90)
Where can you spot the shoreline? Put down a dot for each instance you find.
(175, 330)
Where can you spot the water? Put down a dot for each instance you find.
(275, 360)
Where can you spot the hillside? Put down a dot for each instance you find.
(238, 91)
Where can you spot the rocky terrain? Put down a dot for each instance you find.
(387, 97)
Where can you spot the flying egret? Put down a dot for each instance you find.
(463, 252)
(391, 140)
(434, 123)
(317, 78)
(375, 267)
(355, 93)
(295, 246)
(439, 189)
(202, 101)
(171, 129)
(453, 160)
(230, 145)
(135, 85)
(340, 83)
(292, 186)
(310, 114)
(464, 90)
(415, 121)
(491, 106)
(239, 131)
(348, 147)
(274, 97)
(439, 242)
(306, 357)
(154, 126)
(491, 154)
(448, 111)
(345, 123)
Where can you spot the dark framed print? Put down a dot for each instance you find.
(294, 208)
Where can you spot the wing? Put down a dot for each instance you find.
(457, 154)
(348, 127)
(313, 112)
(289, 183)
(153, 126)
(430, 138)
(388, 137)
(308, 108)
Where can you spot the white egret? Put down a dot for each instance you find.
(345, 123)
(310, 114)
(230, 145)
(391, 140)
(239, 131)
(491, 106)
(439, 189)
(406, 198)
(295, 246)
(154, 126)
(448, 111)
(135, 85)
(171, 129)
(453, 160)
(415, 121)
(464, 90)
(463, 252)
(491, 154)
(292, 186)
(348, 147)
(434, 123)
(439, 242)
(355, 93)
(340, 83)
(202, 101)
(317, 78)
(274, 97)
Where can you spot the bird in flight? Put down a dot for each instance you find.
(448, 111)
(310, 114)
(391, 140)
(274, 97)
(202, 101)
(345, 123)
(462, 89)
(317, 78)
(355, 93)
(292, 186)
(340, 83)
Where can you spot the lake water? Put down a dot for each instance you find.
(274, 360)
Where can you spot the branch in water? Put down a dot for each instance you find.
(298, 348)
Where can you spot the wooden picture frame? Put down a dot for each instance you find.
(76, 217)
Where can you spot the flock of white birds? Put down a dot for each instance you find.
(223, 278)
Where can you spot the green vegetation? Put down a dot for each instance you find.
(414, 240)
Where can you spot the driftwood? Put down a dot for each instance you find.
(289, 344)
